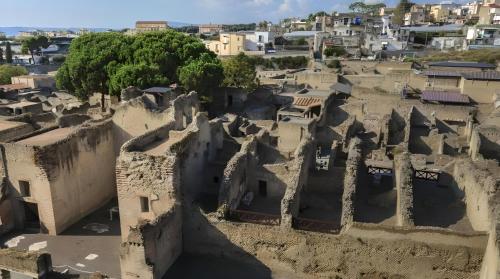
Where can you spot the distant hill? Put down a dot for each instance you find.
(13, 31)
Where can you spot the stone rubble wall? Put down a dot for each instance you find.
(28, 263)
(353, 165)
(299, 169)
(480, 187)
(360, 251)
(234, 181)
(152, 241)
(403, 179)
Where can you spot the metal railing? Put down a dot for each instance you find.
(255, 217)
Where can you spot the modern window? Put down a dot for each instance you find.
(24, 188)
(144, 204)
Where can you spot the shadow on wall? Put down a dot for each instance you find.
(489, 149)
(209, 254)
(375, 201)
(439, 205)
(337, 116)
(396, 129)
(417, 143)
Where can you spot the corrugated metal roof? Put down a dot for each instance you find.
(488, 75)
(462, 64)
(441, 74)
(445, 97)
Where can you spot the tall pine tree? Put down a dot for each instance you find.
(1, 56)
(402, 8)
(8, 53)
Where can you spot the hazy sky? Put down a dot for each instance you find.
(124, 13)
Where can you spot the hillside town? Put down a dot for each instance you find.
(359, 144)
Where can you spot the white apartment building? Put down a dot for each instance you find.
(257, 40)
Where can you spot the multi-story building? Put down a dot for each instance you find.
(145, 26)
(441, 12)
(471, 8)
(257, 40)
(489, 12)
(299, 24)
(483, 36)
(347, 25)
(228, 44)
(210, 28)
(418, 14)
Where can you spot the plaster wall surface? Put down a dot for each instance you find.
(480, 91)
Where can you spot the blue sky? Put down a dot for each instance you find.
(123, 13)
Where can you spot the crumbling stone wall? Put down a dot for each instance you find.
(480, 187)
(403, 179)
(397, 129)
(353, 164)
(485, 143)
(170, 180)
(299, 170)
(185, 107)
(58, 174)
(153, 246)
(16, 131)
(361, 250)
(23, 263)
(136, 117)
(68, 163)
(236, 175)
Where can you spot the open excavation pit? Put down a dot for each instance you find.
(331, 185)
(385, 193)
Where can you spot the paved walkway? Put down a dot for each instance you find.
(91, 245)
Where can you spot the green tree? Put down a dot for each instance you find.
(91, 59)
(109, 62)
(8, 53)
(34, 45)
(9, 71)
(361, 7)
(402, 8)
(357, 7)
(202, 75)
(1, 56)
(239, 71)
(263, 25)
(142, 76)
(337, 51)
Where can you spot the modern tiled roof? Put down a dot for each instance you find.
(488, 75)
(445, 97)
(306, 102)
(463, 64)
(441, 74)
